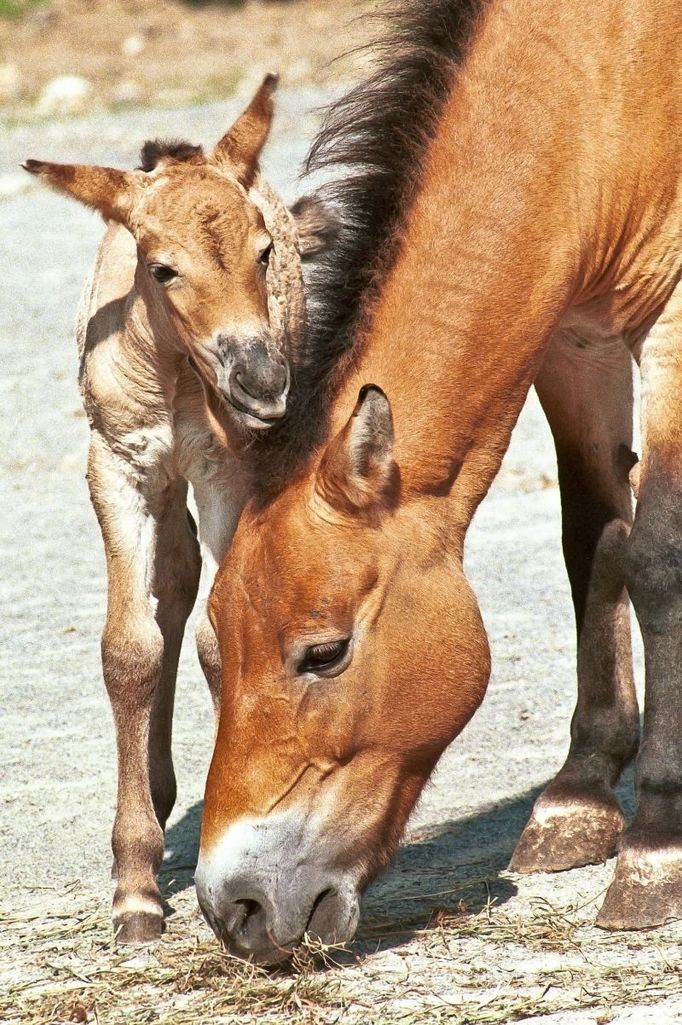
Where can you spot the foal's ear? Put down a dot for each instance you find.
(105, 189)
(240, 148)
(358, 473)
(316, 223)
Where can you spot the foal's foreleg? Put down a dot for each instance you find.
(220, 496)
(587, 397)
(153, 570)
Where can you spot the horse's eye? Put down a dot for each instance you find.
(327, 659)
(161, 273)
(264, 257)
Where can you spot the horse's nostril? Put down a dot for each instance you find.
(246, 924)
(249, 908)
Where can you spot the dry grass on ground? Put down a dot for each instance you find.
(465, 962)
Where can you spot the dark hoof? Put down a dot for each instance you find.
(140, 927)
(567, 834)
(646, 890)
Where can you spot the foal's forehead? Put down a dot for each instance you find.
(198, 197)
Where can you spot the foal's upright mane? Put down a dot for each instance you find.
(373, 140)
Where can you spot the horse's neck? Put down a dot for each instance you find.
(486, 267)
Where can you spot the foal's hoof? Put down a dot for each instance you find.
(138, 927)
(568, 834)
(646, 890)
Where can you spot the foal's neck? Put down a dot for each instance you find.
(483, 275)
(154, 356)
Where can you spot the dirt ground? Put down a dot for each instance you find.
(171, 52)
(447, 935)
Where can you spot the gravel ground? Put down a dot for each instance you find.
(528, 949)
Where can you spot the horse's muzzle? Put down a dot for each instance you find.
(254, 378)
(261, 897)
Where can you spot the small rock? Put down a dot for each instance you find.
(66, 94)
(10, 83)
(126, 92)
(132, 45)
(15, 183)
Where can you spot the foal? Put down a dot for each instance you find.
(184, 334)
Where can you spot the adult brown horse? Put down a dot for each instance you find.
(514, 214)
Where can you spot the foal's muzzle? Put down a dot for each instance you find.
(253, 377)
(261, 893)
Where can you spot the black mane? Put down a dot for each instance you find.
(378, 133)
(374, 140)
(155, 150)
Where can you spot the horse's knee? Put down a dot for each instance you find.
(132, 658)
(653, 564)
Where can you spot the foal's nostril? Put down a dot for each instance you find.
(260, 389)
(262, 380)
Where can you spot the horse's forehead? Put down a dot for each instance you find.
(295, 560)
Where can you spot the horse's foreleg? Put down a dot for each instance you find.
(153, 570)
(587, 397)
(647, 887)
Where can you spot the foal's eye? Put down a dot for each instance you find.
(161, 273)
(327, 659)
(264, 257)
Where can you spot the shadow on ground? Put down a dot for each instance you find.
(454, 864)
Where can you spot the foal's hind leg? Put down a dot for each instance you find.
(647, 887)
(587, 397)
(153, 570)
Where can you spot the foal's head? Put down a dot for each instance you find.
(353, 652)
(203, 254)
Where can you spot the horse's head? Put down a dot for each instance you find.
(204, 248)
(353, 652)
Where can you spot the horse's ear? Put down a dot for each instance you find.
(240, 148)
(358, 473)
(316, 223)
(106, 189)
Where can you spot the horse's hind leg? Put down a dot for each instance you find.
(647, 887)
(153, 570)
(587, 396)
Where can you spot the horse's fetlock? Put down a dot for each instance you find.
(137, 849)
